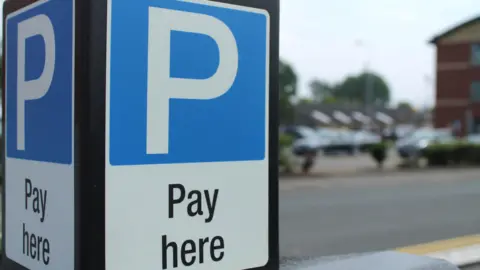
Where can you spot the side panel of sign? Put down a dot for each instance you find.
(187, 174)
(39, 171)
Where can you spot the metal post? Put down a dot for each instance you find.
(368, 93)
(368, 82)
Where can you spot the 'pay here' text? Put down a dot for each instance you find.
(197, 203)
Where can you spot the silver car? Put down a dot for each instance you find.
(415, 144)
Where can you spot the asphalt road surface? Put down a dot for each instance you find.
(338, 163)
(339, 216)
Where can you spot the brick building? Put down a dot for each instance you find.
(458, 77)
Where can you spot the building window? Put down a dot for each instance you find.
(475, 91)
(475, 54)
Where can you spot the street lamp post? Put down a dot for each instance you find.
(368, 81)
(368, 90)
(430, 96)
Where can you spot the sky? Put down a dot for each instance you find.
(330, 39)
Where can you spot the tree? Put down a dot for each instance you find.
(305, 100)
(352, 89)
(329, 100)
(287, 90)
(405, 105)
(320, 90)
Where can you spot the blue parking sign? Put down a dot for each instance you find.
(39, 82)
(188, 83)
(39, 189)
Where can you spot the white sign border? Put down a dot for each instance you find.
(267, 98)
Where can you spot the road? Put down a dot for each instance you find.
(338, 216)
(327, 164)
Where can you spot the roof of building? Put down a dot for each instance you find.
(332, 114)
(457, 27)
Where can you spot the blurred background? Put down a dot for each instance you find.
(379, 123)
(353, 74)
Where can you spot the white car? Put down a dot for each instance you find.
(301, 155)
(415, 144)
(341, 141)
(308, 139)
(305, 140)
(474, 138)
(362, 139)
(326, 136)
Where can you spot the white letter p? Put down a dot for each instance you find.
(161, 87)
(37, 88)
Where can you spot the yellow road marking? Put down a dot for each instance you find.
(441, 245)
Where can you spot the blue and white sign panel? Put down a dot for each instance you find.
(187, 128)
(39, 172)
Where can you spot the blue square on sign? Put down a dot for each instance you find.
(39, 82)
(188, 82)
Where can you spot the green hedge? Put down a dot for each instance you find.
(455, 153)
(379, 152)
(284, 141)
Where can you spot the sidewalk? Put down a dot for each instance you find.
(361, 164)
(461, 251)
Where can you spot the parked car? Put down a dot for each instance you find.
(390, 134)
(413, 146)
(342, 142)
(404, 130)
(473, 138)
(364, 139)
(304, 148)
(326, 136)
(305, 139)
(398, 132)
(350, 142)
